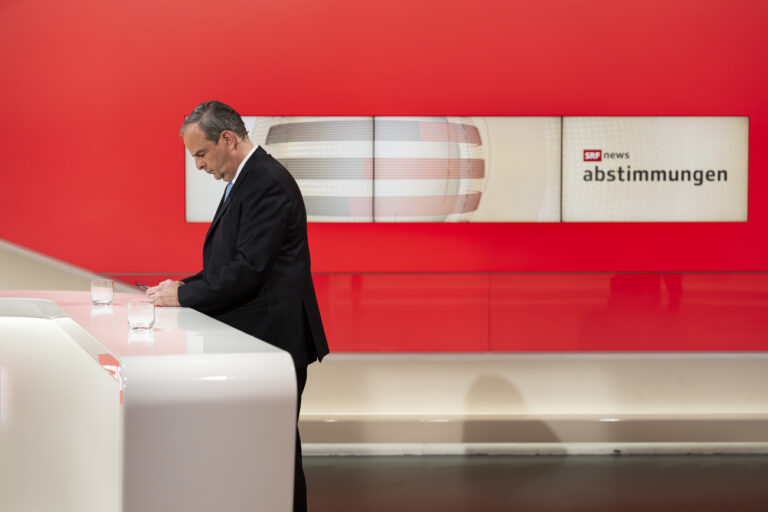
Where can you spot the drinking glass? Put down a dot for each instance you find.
(102, 292)
(141, 314)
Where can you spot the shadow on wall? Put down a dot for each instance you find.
(495, 413)
(415, 408)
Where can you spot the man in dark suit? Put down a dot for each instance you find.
(256, 268)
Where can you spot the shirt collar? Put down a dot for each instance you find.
(242, 164)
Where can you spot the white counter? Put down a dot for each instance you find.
(194, 415)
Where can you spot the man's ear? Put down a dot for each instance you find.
(229, 138)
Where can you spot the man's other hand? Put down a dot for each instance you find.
(165, 294)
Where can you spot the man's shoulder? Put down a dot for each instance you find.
(266, 171)
(265, 164)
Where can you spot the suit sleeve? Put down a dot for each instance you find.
(195, 277)
(262, 229)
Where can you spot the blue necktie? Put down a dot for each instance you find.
(226, 192)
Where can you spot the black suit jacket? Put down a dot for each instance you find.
(256, 268)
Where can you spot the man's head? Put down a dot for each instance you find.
(216, 137)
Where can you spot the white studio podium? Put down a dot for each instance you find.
(192, 416)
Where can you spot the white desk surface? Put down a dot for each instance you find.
(194, 415)
(176, 330)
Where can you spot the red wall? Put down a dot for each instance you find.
(94, 91)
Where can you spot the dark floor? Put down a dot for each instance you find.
(693, 483)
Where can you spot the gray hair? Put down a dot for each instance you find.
(213, 117)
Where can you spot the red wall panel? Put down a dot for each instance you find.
(94, 93)
(643, 311)
(545, 311)
(406, 313)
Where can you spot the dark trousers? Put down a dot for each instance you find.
(299, 483)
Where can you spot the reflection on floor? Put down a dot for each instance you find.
(692, 483)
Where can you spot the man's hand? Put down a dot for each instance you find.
(165, 294)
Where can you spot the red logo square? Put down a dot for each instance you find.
(593, 155)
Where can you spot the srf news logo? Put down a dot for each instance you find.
(593, 155)
(597, 155)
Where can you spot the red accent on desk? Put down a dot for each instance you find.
(112, 366)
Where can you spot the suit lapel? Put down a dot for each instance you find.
(222, 208)
(224, 203)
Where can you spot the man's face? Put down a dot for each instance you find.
(215, 159)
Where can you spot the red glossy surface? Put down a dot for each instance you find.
(408, 313)
(629, 312)
(545, 312)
